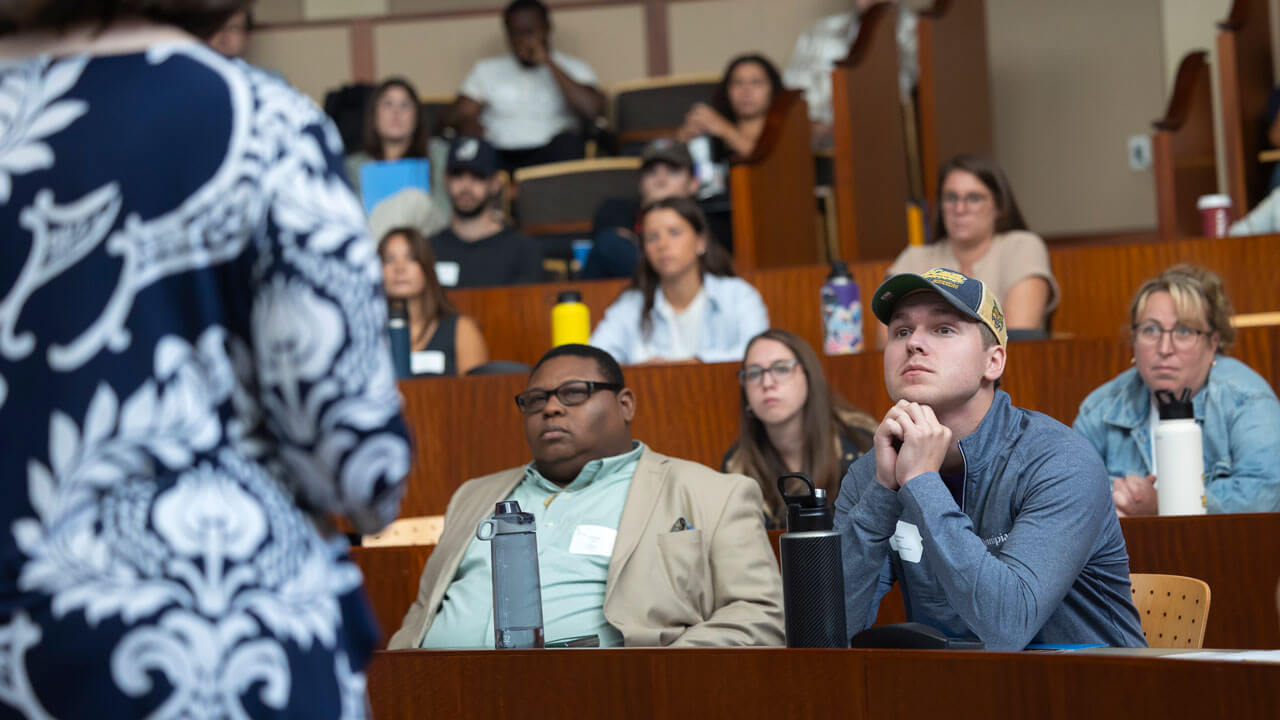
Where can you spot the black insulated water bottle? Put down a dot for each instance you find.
(812, 570)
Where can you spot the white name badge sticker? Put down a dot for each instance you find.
(593, 540)
(906, 541)
(447, 273)
(426, 362)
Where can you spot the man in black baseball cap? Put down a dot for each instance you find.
(997, 521)
(666, 170)
(477, 249)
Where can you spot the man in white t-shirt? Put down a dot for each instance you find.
(531, 103)
(827, 42)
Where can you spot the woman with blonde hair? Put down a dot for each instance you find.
(1181, 324)
(792, 421)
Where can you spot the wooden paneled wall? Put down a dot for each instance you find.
(1097, 283)
(1245, 79)
(1182, 150)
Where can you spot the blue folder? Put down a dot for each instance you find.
(381, 180)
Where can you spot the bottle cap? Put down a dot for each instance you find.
(506, 507)
(397, 309)
(569, 296)
(839, 268)
(1174, 408)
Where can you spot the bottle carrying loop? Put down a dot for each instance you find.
(803, 500)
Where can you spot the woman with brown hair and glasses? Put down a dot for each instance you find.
(194, 378)
(1181, 323)
(980, 232)
(792, 421)
(441, 341)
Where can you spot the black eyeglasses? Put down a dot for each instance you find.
(573, 392)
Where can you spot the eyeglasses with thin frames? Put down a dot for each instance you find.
(781, 370)
(570, 393)
(972, 199)
(1150, 333)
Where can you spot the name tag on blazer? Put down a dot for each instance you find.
(593, 540)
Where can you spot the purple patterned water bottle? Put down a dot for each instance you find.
(841, 312)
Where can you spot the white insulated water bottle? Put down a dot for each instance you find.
(1179, 456)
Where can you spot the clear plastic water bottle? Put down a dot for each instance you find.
(398, 330)
(517, 590)
(841, 312)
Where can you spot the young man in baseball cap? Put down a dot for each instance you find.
(478, 249)
(996, 520)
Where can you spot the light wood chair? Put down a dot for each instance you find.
(408, 531)
(1173, 609)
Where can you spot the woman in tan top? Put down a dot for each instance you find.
(980, 232)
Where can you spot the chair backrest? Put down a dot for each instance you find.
(1173, 609)
(346, 107)
(408, 531)
(500, 367)
(434, 111)
(655, 107)
(561, 198)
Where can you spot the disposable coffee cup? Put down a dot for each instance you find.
(1215, 215)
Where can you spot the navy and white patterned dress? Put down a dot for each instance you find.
(192, 366)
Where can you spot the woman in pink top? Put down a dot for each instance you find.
(979, 231)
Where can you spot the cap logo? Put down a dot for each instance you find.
(468, 149)
(997, 317)
(939, 276)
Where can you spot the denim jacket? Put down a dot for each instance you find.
(1240, 418)
(735, 314)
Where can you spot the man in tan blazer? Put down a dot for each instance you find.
(663, 551)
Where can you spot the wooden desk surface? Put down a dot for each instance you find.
(778, 683)
(1236, 554)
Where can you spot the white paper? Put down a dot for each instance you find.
(907, 542)
(1267, 656)
(426, 362)
(593, 540)
(447, 273)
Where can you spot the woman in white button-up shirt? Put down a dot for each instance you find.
(684, 303)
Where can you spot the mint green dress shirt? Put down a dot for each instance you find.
(576, 528)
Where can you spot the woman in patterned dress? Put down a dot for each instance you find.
(194, 378)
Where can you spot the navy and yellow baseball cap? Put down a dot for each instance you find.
(966, 294)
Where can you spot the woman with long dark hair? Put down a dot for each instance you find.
(736, 114)
(980, 232)
(442, 341)
(684, 302)
(194, 378)
(792, 421)
(392, 128)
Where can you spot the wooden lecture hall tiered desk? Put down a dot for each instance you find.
(467, 427)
